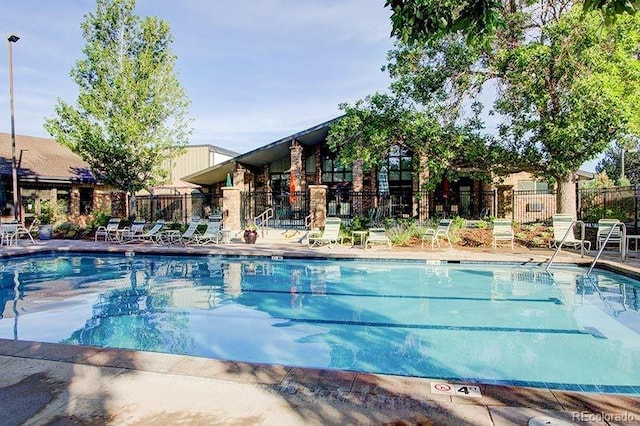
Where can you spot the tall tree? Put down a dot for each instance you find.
(419, 21)
(566, 90)
(418, 114)
(566, 87)
(131, 112)
(612, 160)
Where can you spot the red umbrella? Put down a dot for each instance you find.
(292, 189)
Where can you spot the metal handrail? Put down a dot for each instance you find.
(623, 239)
(309, 220)
(564, 238)
(262, 220)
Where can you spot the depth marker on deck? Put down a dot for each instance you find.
(470, 391)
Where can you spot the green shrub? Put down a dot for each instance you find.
(68, 230)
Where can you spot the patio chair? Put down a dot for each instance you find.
(434, 235)
(108, 232)
(212, 234)
(561, 224)
(502, 231)
(174, 236)
(151, 234)
(9, 232)
(604, 227)
(23, 230)
(132, 233)
(377, 236)
(330, 235)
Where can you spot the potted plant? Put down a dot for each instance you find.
(45, 228)
(250, 233)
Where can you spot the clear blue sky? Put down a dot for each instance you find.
(255, 70)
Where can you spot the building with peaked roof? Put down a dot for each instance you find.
(279, 175)
(195, 157)
(47, 171)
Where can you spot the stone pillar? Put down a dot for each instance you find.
(238, 178)
(296, 164)
(318, 205)
(74, 202)
(358, 176)
(231, 208)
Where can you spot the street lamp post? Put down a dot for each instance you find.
(14, 172)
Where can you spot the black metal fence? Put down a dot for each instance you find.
(289, 209)
(177, 207)
(613, 203)
(410, 204)
(530, 206)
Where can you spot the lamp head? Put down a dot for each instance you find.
(13, 38)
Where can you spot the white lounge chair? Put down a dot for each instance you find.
(212, 234)
(132, 233)
(152, 233)
(176, 237)
(108, 232)
(604, 227)
(434, 235)
(330, 235)
(377, 236)
(561, 224)
(502, 231)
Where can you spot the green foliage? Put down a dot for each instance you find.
(404, 232)
(420, 21)
(51, 213)
(611, 162)
(131, 112)
(419, 115)
(99, 218)
(482, 224)
(67, 230)
(595, 213)
(457, 223)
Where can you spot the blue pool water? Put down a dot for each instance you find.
(502, 324)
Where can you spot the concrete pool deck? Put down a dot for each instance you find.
(43, 383)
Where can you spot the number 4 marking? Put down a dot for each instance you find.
(466, 390)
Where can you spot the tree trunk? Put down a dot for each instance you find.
(566, 195)
(132, 206)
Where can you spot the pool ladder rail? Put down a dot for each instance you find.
(564, 239)
(623, 239)
(619, 224)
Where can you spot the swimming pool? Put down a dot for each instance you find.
(500, 324)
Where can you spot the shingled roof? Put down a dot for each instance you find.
(43, 160)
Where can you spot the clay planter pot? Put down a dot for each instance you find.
(250, 237)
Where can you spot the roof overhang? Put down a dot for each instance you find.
(263, 155)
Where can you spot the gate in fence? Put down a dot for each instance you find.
(177, 207)
(289, 209)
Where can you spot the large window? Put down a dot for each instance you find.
(532, 185)
(333, 172)
(400, 168)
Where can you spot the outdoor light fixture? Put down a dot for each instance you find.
(12, 38)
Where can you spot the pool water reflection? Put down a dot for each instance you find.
(484, 323)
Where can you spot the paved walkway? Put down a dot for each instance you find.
(43, 383)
